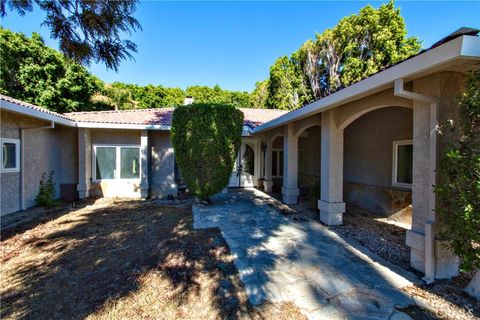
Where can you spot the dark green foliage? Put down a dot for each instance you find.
(46, 194)
(132, 96)
(458, 191)
(206, 139)
(35, 73)
(204, 94)
(87, 30)
(358, 46)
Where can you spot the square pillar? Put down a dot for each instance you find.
(144, 164)
(331, 203)
(84, 163)
(290, 190)
(268, 183)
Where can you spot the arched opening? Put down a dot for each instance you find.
(309, 156)
(248, 162)
(277, 164)
(378, 162)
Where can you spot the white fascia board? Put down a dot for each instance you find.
(13, 107)
(470, 47)
(103, 125)
(465, 46)
(247, 131)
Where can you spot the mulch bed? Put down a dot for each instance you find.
(131, 260)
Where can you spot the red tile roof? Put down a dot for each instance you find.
(163, 116)
(31, 106)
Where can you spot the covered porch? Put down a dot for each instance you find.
(377, 152)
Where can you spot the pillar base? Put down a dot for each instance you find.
(83, 191)
(331, 213)
(267, 185)
(290, 195)
(446, 263)
(144, 191)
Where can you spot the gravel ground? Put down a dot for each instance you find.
(443, 299)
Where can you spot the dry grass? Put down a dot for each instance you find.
(135, 260)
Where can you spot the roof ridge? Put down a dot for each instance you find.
(118, 111)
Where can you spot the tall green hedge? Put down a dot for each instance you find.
(206, 139)
(459, 190)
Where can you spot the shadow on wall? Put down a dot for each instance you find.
(91, 257)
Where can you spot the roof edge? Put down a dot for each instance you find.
(464, 46)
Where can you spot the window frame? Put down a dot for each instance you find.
(17, 155)
(118, 165)
(395, 182)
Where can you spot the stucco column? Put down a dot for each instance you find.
(257, 160)
(290, 166)
(268, 183)
(144, 163)
(427, 253)
(331, 203)
(84, 163)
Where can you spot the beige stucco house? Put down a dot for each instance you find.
(373, 144)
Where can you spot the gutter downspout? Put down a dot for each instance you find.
(430, 223)
(22, 160)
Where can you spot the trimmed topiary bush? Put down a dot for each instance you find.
(206, 139)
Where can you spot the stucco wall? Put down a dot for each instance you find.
(368, 159)
(162, 165)
(115, 188)
(45, 150)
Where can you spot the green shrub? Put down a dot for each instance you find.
(458, 190)
(46, 194)
(206, 139)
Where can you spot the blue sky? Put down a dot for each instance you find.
(233, 44)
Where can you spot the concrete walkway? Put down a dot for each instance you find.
(280, 260)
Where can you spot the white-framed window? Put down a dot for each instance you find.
(10, 155)
(116, 162)
(402, 173)
(277, 163)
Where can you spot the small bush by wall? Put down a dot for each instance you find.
(46, 194)
(206, 139)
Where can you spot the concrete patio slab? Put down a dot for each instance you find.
(282, 260)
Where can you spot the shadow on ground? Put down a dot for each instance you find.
(280, 260)
(73, 266)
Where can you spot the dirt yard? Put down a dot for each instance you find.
(132, 260)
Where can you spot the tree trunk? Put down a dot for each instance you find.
(473, 287)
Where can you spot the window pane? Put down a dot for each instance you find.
(274, 163)
(281, 163)
(106, 162)
(404, 163)
(130, 163)
(9, 155)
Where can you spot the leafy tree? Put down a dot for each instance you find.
(458, 191)
(87, 30)
(35, 73)
(211, 133)
(284, 85)
(358, 46)
(259, 96)
(204, 94)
